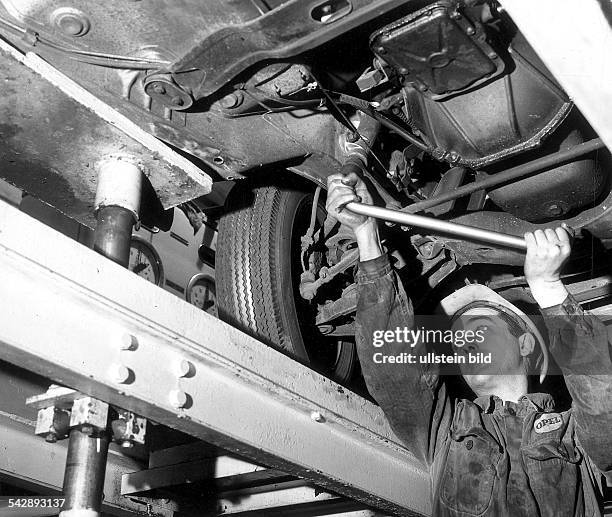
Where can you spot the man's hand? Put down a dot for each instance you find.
(342, 190)
(547, 252)
(345, 189)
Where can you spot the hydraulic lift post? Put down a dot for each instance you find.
(117, 205)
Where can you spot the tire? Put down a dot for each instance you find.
(257, 275)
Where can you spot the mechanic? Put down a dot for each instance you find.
(507, 452)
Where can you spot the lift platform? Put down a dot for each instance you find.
(302, 441)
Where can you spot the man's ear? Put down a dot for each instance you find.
(526, 344)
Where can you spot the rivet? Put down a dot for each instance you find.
(177, 399)
(186, 369)
(471, 31)
(317, 417)
(122, 374)
(128, 342)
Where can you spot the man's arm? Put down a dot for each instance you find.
(413, 400)
(578, 343)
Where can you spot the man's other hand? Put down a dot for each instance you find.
(547, 252)
(345, 189)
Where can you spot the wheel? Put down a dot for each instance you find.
(258, 267)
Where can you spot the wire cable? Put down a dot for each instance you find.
(94, 58)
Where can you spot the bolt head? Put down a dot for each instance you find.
(471, 31)
(128, 342)
(177, 101)
(121, 374)
(317, 417)
(186, 369)
(178, 399)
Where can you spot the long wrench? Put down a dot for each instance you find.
(437, 226)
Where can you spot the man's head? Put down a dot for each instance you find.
(508, 345)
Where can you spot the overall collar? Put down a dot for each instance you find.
(531, 401)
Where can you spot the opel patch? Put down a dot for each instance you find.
(547, 422)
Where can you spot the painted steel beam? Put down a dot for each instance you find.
(574, 39)
(68, 314)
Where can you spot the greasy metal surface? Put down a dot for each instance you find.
(510, 175)
(580, 59)
(287, 31)
(597, 220)
(556, 191)
(243, 396)
(438, 50)
(127, 27)
(52, 146)
(499, 119)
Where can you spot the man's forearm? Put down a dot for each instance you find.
(579, 345)
(368, 241)
(548, 294)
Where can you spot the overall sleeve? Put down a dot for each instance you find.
(579, 345)
(411, 396)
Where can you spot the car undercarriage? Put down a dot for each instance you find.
(457, 115)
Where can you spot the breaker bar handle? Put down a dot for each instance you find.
(437, 226)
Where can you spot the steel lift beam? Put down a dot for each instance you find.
(67, 311)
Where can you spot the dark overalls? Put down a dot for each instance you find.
(486, 457)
